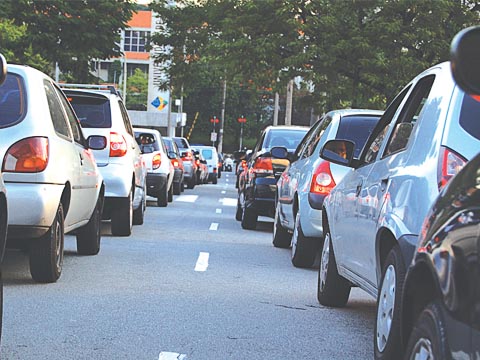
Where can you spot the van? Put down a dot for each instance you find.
(210, 154)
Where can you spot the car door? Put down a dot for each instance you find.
(89, 176)
(349, 197)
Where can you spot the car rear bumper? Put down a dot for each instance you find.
(155, 182)
(31, 208)
(263, 199)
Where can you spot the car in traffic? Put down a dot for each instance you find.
(201, 167)
(160, 170)
(209, 153)
(177, 162)
(52, 180)
(440, 303)
(189, 163)
(373, 217)
(101, 111)
(308, 180)
(258, 188)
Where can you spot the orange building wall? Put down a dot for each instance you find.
(141, 19)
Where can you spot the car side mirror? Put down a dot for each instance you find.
(97, 142)
(172, 155)
(3, 69)
(464, 59)
(338, 152)
(183, 154)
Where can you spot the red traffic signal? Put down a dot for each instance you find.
(242, 120)
(214, 120)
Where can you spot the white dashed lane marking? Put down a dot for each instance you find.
(218, 211)
(171, 356)
(213, 226)
(202, 262)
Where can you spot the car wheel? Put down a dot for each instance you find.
(46, 253)
(427, 340)
(304, 249)
(249, 218)
(214, 180)
(332, 289)
(88, 236)
(387, 327)
(162, 199)
(177, 188)
(281, 237)
(170, 193)
(182, 186)
(192, 182)
(139, 214)
(122, 217)
(239, 212)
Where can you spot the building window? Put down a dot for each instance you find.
(135, 40)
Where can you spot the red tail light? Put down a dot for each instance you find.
(156, 161)
(263, 166)
(450, 163)
(322, 179)
(27, 156)
(188, 157)
(118, 145)
(175, 163)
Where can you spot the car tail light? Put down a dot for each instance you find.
(322, 179)
(263, 166)
(188, 157)
(27, 156)
(118, 145)
(175, 163)
(450, 163)
(156, 161)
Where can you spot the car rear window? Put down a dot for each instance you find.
(92, 111)
(12, 100)
(287, 138)
(207, 154)
(181, 143)
(147, 142)
(470, 116)
(356, 129)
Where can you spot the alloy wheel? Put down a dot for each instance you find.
(386, 306)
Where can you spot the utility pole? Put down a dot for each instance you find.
(288, 107)
(222, 116)
(276, 107)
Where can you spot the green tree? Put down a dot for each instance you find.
(71, 33)
(137, 91)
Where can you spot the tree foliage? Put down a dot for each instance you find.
(70, 33)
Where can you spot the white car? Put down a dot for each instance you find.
(101, 111)
(3, 206)
(210, 154)
(160, 170)
(52, 180)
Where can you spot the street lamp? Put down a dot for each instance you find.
(213, 135)
(242, 120)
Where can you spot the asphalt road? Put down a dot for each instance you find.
(188, 284)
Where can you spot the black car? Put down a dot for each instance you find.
(258, 184)
(440, 306)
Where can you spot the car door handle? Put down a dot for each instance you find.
(81, 159)
(383, 184)
(359, 188)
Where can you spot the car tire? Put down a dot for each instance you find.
(46, 253)
(387, 335)
(177, 188)
(182, 186)
(332, 289)
(281, 237)
(214, 180)
(122, 217)
(89, 236)
(428, 335)
(249, 219)
(192, 182)
(139, 213)
(170, 193)
(162, 199)
(239, 212)
(304, 249)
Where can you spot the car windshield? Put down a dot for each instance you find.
(12, 100)
(207, 154)
(92, 111)
(181, 143)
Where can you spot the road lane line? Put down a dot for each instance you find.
(213, 226)
(223, 191)
(218, 211)
(186, 198)
(229, 201)
(202, 261)
(171, 356)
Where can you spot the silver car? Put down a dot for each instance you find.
(372, 218)
(309, 179)
(53, 183)
(101, 111)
